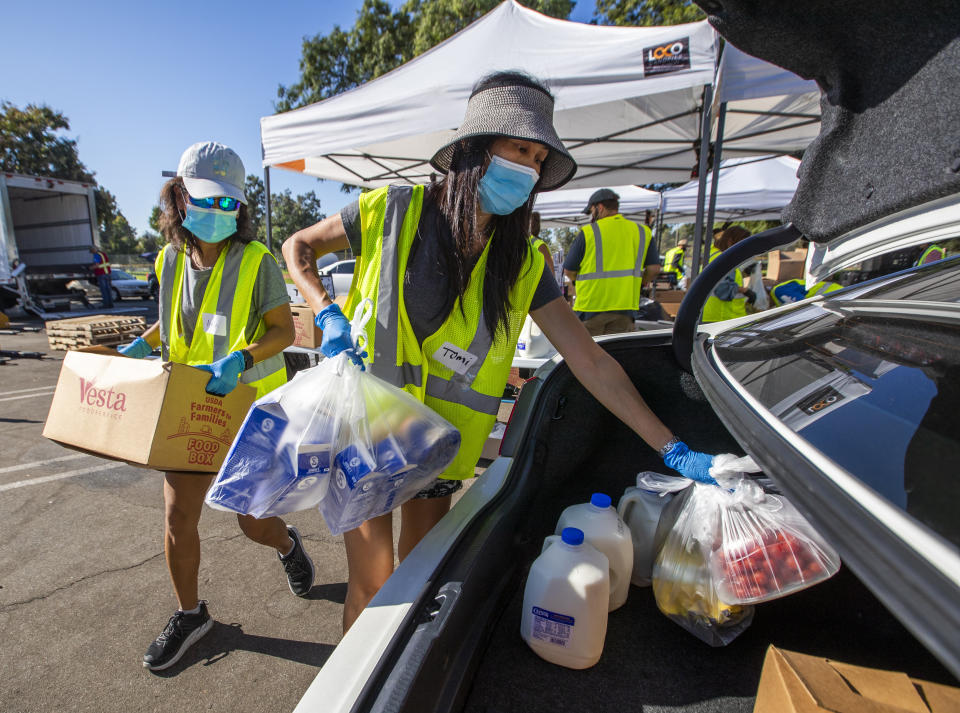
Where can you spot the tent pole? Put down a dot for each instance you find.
(718, 147)
(698, 242)
(266, 195)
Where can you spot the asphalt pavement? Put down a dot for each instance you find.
(84, 588)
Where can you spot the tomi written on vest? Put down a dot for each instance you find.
(224, 309)
(452, 274)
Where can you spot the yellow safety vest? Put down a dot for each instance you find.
(822, 288)
(776, 294)
(611, 272)
(224, 312)
(460, 370)
(673, 262)
(716, 309)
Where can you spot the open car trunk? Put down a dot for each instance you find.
(470, 655)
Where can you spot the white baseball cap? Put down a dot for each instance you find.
(210, 169)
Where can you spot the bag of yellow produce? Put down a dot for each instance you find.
(683, 584)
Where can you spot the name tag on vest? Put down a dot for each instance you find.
(460, 360)
(215, 324)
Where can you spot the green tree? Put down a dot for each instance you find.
(289, 214)
(382, 39)
(646, 12)
(256, 205)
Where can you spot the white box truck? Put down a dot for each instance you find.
(47, 226)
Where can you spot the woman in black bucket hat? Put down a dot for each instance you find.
(452, 274)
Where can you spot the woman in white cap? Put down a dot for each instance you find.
(451, 269)
(223, 308)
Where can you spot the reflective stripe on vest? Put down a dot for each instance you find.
(470, 401)
(611, 272)
(223, 314)
(718, 310)
(823, 288)
(103, 267)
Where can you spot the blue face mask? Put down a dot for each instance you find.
(505, 186)
(209, 224)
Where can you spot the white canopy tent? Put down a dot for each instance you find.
(565, 207)
(755, 188)
(627, 102)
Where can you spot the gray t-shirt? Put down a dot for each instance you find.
(269, 291)
(425, 271)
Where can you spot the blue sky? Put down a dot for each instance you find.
(141, 82)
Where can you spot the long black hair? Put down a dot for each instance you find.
(456, 197)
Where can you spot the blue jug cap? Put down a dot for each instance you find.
(572, 536)
(600, 500)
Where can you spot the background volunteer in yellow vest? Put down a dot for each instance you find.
(673, 262)
(450, 268)
(729, 298)
(223, 308)
(608, 262)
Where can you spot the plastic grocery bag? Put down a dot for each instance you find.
(727, 546)
(767, 549)
(334, 436)
(683, 583)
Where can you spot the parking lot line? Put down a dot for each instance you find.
(30, 396)
(60, 476)
(23, 391)
(38, 463)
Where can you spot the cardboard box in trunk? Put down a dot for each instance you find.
(144, 411)
(798, 683)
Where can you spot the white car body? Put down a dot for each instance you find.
(341, 273)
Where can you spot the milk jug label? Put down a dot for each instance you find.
(552, 627)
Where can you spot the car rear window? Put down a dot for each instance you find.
(872, 380)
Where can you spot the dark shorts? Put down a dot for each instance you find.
(440, 488)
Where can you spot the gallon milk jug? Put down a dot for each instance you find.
(603, 529)
(640, 511)
(565, 601)
(533, 343)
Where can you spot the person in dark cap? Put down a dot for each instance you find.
(452, 272)
(609, 261)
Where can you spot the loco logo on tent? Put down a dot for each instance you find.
(668, 57)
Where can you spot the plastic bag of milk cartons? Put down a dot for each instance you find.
(337, 437)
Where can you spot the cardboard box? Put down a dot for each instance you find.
(798, 683)
(144, 411)
(785, 265)
(308, 334)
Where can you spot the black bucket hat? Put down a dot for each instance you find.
(517, 112)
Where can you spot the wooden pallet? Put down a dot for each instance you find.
(98, 329)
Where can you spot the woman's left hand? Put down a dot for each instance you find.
(225, 373)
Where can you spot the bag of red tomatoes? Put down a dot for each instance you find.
(766, 549)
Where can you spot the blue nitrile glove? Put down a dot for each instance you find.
(226, 374)
(137, 349)
(690, 464)
(336, 334)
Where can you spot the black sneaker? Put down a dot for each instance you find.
(179, 635)
(298, 566)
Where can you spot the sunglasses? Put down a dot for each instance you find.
(222, 202)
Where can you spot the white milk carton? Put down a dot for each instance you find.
(640, 510)
(604, 529)
(565, 601)
(533, 343)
